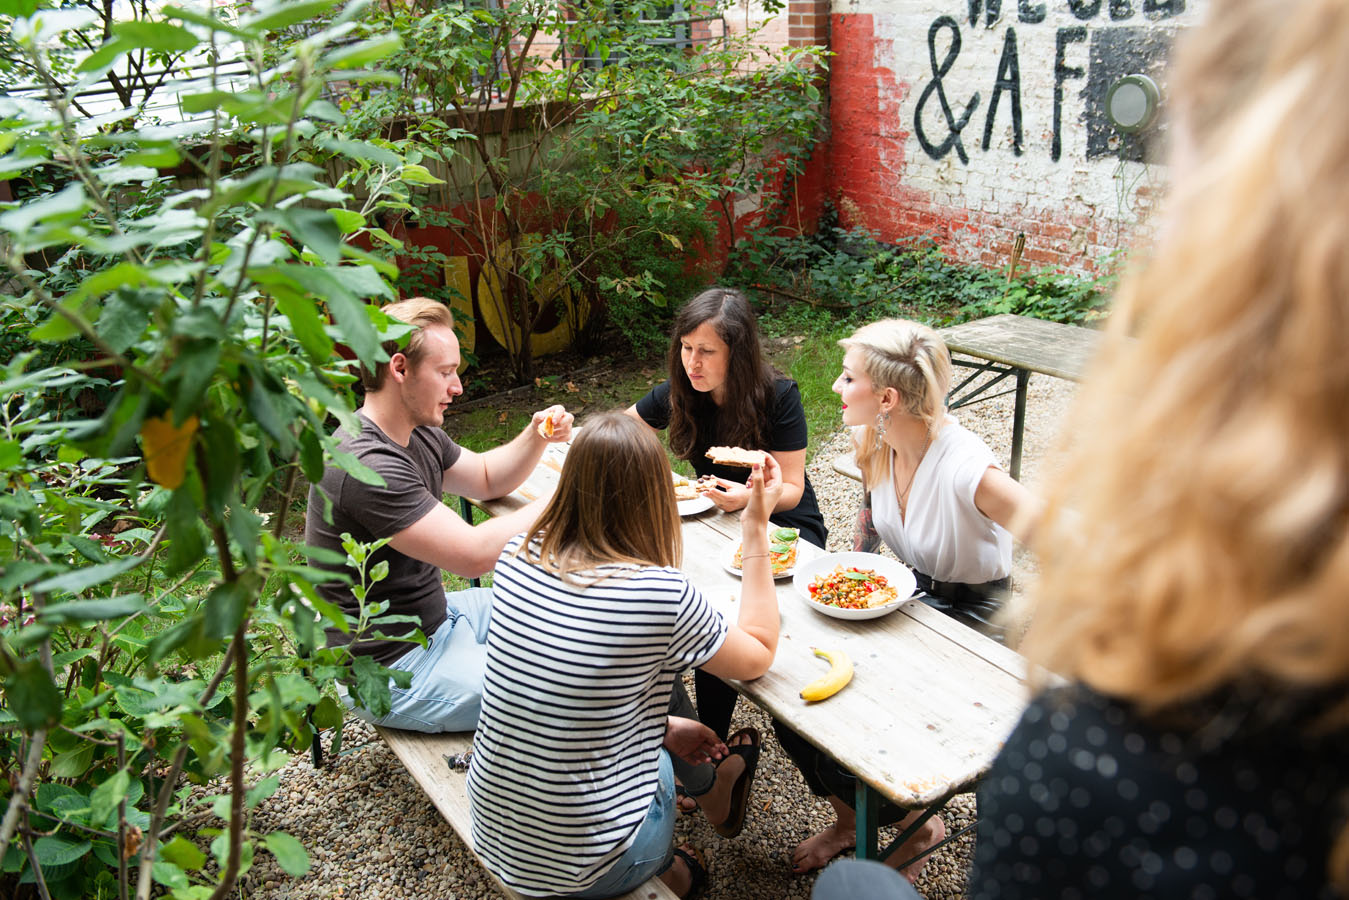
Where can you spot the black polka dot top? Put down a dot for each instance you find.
(1089, 802)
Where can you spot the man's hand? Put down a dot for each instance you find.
(553, 424)
(692, 741)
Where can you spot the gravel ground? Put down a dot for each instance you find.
(371, 833)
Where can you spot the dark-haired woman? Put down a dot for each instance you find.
(721, 392)
(592, 624)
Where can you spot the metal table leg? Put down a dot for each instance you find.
(868, 820)
(1019, 421)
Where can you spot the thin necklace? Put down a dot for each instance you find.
(899, 498)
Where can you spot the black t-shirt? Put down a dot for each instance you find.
(1088, 800)
(413, 478)
(786, 421)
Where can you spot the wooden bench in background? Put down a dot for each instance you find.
(424, 757)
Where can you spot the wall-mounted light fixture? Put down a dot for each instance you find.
(1131, 103)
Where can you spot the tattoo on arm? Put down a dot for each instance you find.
(865, 538)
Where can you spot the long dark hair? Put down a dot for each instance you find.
(741, 419)
(614, 503)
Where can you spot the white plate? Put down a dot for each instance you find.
(728, 563)
(694, 506)
(899, 576)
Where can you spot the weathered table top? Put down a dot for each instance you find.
(931, 700)
(1052, 348)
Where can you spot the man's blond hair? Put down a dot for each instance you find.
(419, 312)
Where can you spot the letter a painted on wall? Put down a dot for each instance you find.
(1009, 80)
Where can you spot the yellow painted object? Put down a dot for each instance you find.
(551, 288)
(839, 674)
(461, 303)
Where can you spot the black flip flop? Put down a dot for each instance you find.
(697, 871)
(735, 819)
(680, 794)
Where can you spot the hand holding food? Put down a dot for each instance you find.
(765, 488)
(554, 423)
(839, 674)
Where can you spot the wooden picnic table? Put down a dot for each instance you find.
(931, 700)
(1015, 346)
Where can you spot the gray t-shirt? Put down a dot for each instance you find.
(413, 476)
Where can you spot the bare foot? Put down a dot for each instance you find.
(932, 833)
(716, 803)
(685, 803)
(816, 851)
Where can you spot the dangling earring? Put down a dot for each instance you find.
(882, 421)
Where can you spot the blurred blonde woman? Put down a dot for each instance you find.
(1194, 586)
(935, 494)
(1197, 597)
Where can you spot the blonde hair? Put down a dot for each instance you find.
(1199, 537)
(419, 312)
(614, 502)
(912, 359)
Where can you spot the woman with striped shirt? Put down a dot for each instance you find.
(571, 784)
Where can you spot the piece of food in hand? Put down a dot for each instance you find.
(781, 550)
(736, 456)
(548, 426)
(683, 488)
(839, 674)
(852, 588)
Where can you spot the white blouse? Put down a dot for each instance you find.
(945, 536)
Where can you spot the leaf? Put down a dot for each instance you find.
(32, 697)
(11, 455)
(194, 369)
(372, 686)
(107, 795)
(290, 853)
(77, 580)
(155, 35)
(94, 610)
(362, 151)
(183, 853)
(285, 14)
(362, 54)
(166, 447)
(347, 220)
(18, 8)
(58, 851)
(64, 206)
(73, 763)
(417, 174)
(266, 412)
(225, 608)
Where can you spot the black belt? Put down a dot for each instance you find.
(960, 592)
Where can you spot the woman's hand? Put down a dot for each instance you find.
(727, 496)
(765, 487)
(692, 741)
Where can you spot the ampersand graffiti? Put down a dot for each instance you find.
(954, 126)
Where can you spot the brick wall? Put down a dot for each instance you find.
(973, 120)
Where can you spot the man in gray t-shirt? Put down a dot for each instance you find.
(401, 440)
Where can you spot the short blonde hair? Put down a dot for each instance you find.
(911, 358)
(419, 312)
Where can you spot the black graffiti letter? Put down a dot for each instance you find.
(1121, 9)
(1009, 79)
(954, 126)
(1163, 9)
(1062, 73)
(994, 11)
(1031, 15)
(1085, 9)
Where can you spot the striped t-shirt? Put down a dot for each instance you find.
(576, 693)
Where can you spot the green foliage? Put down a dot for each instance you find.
(847, 275)
(587, 173)
(169, 361)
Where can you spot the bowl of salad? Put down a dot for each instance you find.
(853, 585)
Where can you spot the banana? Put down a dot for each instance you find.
(840, 673)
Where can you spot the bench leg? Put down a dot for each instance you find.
(1019, 421)
(466, 513)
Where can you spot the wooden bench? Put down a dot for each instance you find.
(424, 757)
(1002, 347)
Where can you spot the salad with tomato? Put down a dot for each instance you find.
(851, 588)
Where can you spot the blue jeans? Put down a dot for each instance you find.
(447, 675)
(652, 850)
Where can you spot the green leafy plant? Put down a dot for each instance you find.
(170, 374)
